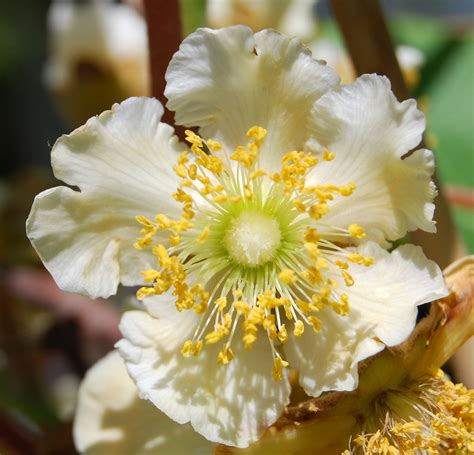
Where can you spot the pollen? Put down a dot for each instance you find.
(249, 253)
(287, 276)
(356, 231)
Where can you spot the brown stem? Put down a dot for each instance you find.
(367, 39)
(163, 19)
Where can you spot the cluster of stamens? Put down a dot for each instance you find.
(258, 238)
(430, 418)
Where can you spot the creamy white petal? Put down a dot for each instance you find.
(387, 293)
(226, 81)
(328, 360)
(370, 131)
(112, 419)
(122, 163)
(383, 312)
(230, 404)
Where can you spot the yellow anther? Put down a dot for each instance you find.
(299, 205)
(225, 355)
(347, 190)
(298, 330)
(356, 231)
(235, 199)
(186, 349)
(214, 145)
(257, 173)
(317, 211)
(368, 260)
(355, 257)
(201, 308)
(197, 347)
(272, 332)
(294, 156)
(276, 178)
(325, 292)
(193, 138)
(221, 302)
(312, 275)
(143, 243)
(341, 307)
(212, 163)
(220, 198)
(342, 265)
(163, 222)
(318, 301)
(315, 323)
(410, 427)
(182, 225)
(278, 365)
(191, 348)
(283, 334)
(174, 240)
(256, 315)
(243, 156)
(311, 236)
(150, 275)
(237, 293)
(242, 307)
(327, 155)
(161, 253)
(144, 292)
(303, 306)
(312, 249)
(185, 183)
(214, 336)
(183, 158)
(257, 133)
(180, 170)
(249, 327)
(348, 280)
(268, 322)
(287, 276)
(144, 220)
(202, 237)
(227, 322)
(192, 171)
(248, 193)
(182, 196)
(249, 339)
(288, 313)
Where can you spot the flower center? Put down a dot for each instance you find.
(253, 238)
(249, 253)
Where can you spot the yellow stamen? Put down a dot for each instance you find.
(356, 231)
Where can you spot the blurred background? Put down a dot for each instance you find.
(63, 62)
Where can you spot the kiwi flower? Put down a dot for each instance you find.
(111, 418)
(262, 243)
(97, 54)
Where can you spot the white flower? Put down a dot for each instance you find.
(291, 17)
(98, 52)
(112, 419)
(409, 58)
(264, 255)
